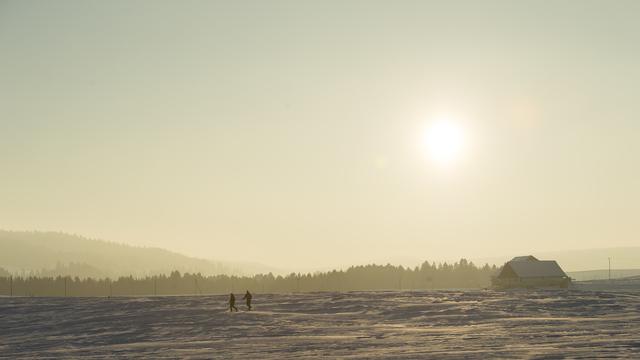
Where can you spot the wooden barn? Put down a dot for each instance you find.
(529, 272)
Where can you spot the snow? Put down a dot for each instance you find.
(438, 324)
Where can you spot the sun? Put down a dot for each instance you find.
(444, 141)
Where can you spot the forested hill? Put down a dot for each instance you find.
(53, 253)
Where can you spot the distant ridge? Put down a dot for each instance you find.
(603, 274)
(56, 253)
(581, 259)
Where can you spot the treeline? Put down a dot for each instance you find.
(462, 274)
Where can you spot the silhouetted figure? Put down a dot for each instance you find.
(248, 297)
(232, 302)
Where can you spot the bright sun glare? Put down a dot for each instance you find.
(444, 141)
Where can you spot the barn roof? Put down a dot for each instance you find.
(536, 268)
(525, 258)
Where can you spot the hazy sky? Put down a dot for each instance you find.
(292, 132)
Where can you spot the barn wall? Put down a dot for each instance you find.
(532, 282)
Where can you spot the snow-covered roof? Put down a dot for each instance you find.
(536, 268)
(525, 258)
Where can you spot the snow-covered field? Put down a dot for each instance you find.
(439, 324)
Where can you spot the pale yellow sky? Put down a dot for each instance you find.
(291, 133)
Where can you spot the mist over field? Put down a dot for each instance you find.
(59, 254)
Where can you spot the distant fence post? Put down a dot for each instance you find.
(65, 286)
(11, 285)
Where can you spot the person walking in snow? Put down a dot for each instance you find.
(248, 297)
(232, 302)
